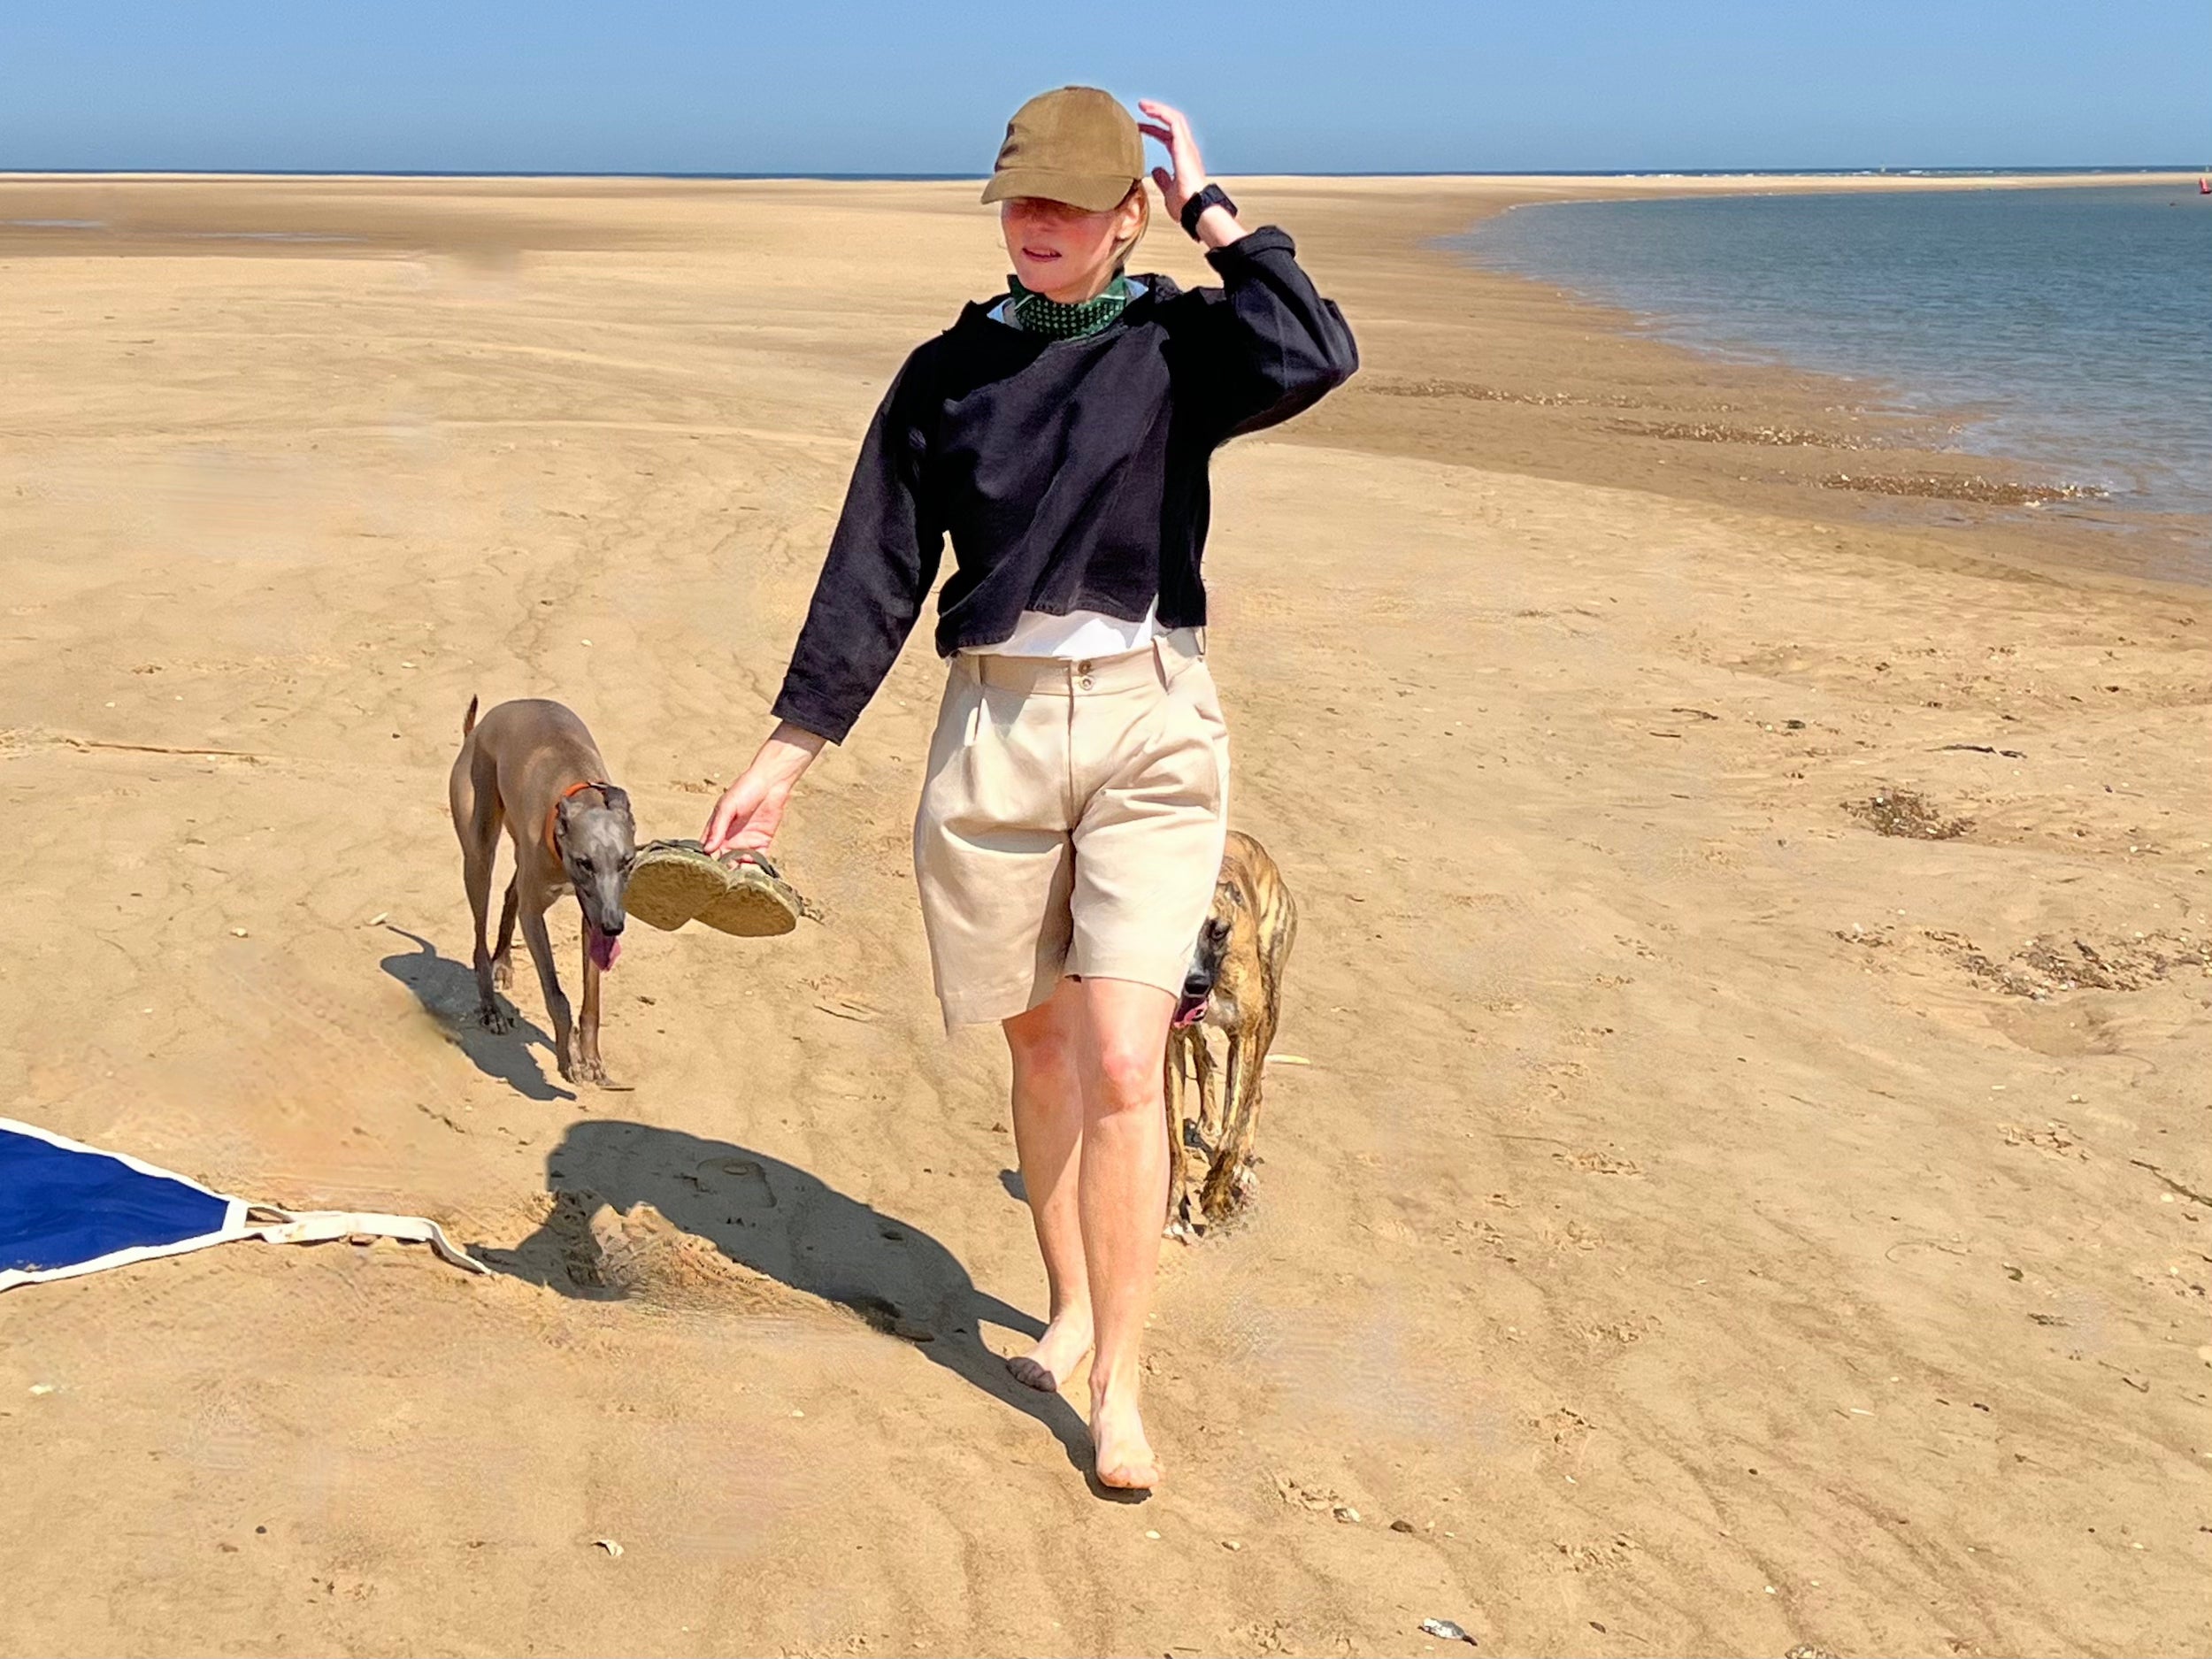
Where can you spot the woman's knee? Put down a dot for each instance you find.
(1129, 1071)
(1044, 1051)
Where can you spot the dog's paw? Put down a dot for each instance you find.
(1226, 1191)
(502, 973)
(494, 1019)
(1186, 1221)
(591, 1071)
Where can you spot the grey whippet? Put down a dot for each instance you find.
(531, 764)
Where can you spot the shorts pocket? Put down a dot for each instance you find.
(1196, 685)
(958, 719)
(1183, 754)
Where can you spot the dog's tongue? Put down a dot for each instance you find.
(1190, 1011)
(603, 949)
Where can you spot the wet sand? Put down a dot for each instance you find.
(1748, 1188)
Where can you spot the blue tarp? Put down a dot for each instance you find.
(66, 1209)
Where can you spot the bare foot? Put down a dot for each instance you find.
(1124, 1456)
(1058, 1352)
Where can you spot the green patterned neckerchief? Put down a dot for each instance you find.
(1034, 313)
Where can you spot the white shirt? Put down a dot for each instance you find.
(1079, 634)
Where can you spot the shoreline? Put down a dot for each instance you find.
(1769, 434)
(1909, 178)
(1996, 420)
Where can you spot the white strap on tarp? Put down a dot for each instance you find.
(272, 1225)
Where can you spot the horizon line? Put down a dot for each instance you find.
(835, 176)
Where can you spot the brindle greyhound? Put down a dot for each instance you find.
(532, 765)
(1236, 985)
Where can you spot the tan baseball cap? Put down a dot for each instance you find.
(1076, 145)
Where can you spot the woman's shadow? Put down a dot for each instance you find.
(789, 1225)
(447, 991)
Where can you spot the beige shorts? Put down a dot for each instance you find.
(1070, 823)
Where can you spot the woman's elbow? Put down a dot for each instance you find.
(1334, 360)
(1335, 355)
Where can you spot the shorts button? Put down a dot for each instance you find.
(1082, 668)
(1084, 683)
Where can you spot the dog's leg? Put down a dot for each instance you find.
(1202, 1060)
(476, 874)
(472, 791)
(504, 958)
(534, 935)
(1177, 1155)
(1254, 1064)
(588, 1069)
(1217, 1196)
(1231, 1175)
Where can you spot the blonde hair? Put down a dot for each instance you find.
(1122, 249)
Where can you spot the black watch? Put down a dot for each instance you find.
(1212, 195)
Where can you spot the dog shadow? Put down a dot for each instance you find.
(447, 991)
(792, 1227)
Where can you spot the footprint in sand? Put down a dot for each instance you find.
(741, 1181)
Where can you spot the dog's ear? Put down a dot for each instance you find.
(617, 802)
(565, 811)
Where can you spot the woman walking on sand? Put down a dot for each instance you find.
(1072, 813)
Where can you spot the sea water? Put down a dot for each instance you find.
(2070, 326)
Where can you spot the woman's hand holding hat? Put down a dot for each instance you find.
(1185, 176)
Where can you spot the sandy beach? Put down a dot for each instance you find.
(1737, 1178)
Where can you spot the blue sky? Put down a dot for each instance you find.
(1288, 85)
